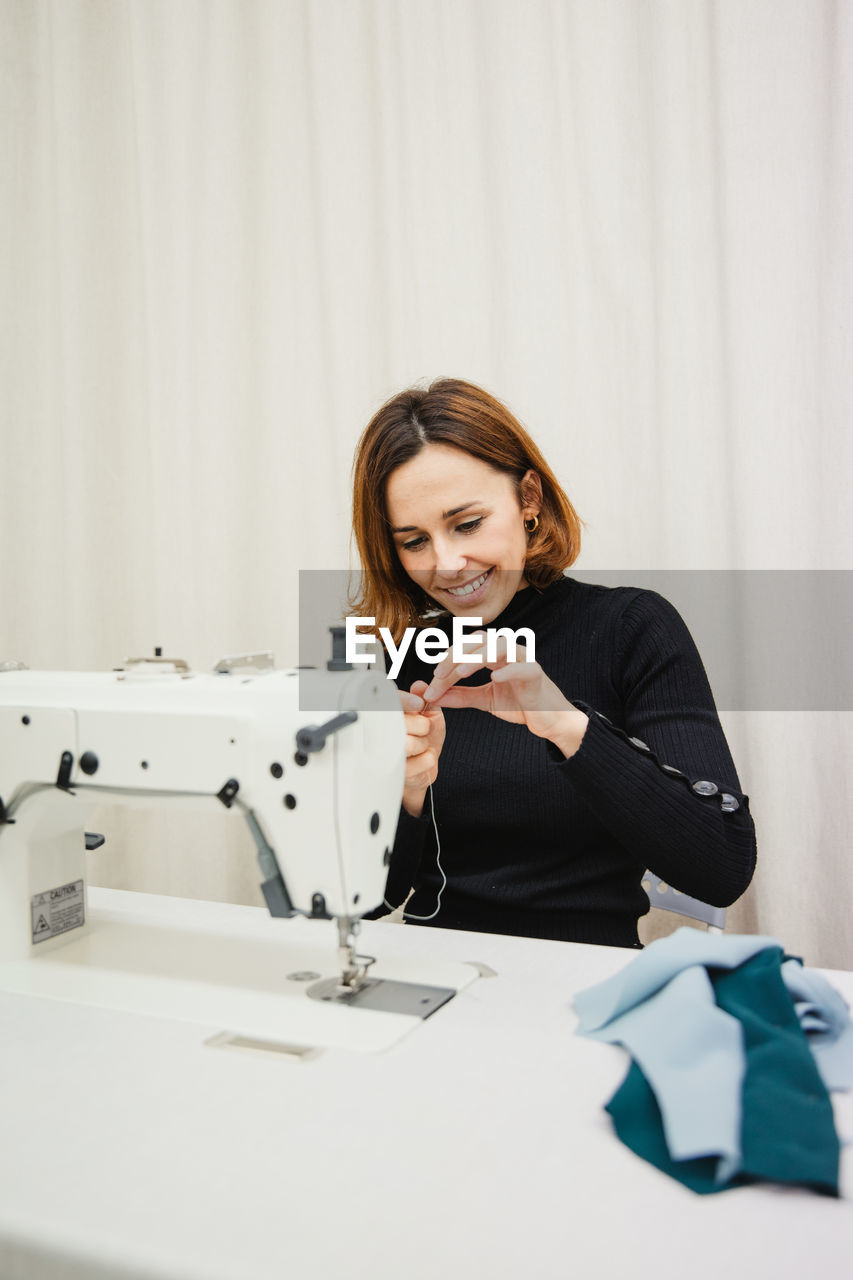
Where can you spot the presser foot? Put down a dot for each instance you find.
(353, 987)
(353, 967)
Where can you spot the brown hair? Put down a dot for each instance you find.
(456, 413)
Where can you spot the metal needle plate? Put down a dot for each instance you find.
(412, 998)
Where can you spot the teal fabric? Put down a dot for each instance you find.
(734, 1047)
(637, 1121)
(662, 1009)
(788, 1133)
(687, 1049)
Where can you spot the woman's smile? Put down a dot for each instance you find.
(470, 592)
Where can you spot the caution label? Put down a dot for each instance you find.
(57, 910)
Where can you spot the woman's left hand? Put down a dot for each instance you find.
(518, 691)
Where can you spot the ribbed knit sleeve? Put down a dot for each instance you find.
(684, 836)
(665, 784)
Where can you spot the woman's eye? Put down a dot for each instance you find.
(468, 526)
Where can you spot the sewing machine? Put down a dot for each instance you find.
(319, 790)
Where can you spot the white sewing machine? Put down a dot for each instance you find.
(320, 791)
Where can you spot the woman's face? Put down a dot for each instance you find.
(459, 530)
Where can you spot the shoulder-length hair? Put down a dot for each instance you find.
(457, 413)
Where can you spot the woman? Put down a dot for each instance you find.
(535, 805)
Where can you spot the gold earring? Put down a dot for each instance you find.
(531, 524)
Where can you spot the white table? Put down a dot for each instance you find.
(475, 1147)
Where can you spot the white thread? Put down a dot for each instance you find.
(406, 916)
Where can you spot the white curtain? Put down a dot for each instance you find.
(231, 228)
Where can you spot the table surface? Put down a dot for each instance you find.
(475, 1146)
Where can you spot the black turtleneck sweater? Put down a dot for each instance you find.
(541, 846)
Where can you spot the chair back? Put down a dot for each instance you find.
(664, 896)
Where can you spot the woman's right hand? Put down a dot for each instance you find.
(424, 740)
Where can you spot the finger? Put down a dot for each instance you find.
(448, 672)
(479, 697)
(412, 701)
(465, 669)
(521, 672)
(459, 671)
(531, 688)
(417, 722)
(472, 651)
(501, 656)
(419, 688)
(418, 726)
(422, 769)
(446, 664)
(415, 747)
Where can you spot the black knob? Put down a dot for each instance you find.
(89, 762)
(313, 736)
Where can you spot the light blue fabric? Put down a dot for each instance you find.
(661, 1007)
(825, 1019)
(689, 1051)
(659, 962)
